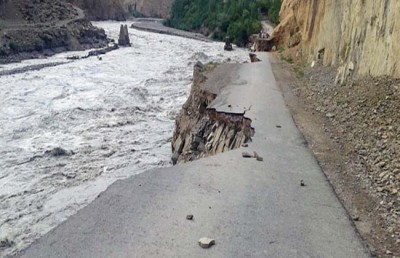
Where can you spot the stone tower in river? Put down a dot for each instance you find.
(123, 39)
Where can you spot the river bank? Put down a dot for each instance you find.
(157, 26)
(113, 117)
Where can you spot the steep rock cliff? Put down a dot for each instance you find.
(360, 37)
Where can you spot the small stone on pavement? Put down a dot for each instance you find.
(206, 242)
(189, 217)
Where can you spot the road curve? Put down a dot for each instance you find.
(251, 208)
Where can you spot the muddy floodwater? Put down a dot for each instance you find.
(69, 131)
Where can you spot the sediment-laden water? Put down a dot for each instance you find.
(67, 132)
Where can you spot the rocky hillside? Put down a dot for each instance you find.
(121, 9)
(42, 27)
(361, 37)
(151, 8)
(102, 9)
(345, 54)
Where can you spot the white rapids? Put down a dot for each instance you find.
(115, 118)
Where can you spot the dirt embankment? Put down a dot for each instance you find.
(201, 131)
(43, 27)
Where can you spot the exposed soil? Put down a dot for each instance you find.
(353, 130)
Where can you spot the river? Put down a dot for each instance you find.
(113, 117)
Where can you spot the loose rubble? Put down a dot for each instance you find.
(362, 119)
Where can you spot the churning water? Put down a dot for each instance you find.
(113, 117)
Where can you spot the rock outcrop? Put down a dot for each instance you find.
(360, 37)
(228, 44)
(201, 131)
(123, 39)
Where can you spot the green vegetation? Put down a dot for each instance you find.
(288, 59)
(237, 19)
(299, 72)
(13, 46)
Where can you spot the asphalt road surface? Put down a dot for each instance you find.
(251, 208)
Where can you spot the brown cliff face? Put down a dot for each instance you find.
(360, 37)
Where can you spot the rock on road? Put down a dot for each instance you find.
(250, 208)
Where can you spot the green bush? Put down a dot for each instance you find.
(13, 46)
(237, 19)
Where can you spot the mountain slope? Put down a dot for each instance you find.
(38, 27)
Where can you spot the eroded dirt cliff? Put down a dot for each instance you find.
(201, 131)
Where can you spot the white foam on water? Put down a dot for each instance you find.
(116, 115)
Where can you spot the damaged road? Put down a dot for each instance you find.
(250, 208)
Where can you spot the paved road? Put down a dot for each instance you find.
(251, 208)
(267, 27)
(156, 25)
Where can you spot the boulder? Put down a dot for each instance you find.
(254, 58)
(228, 44)
(206, 242)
